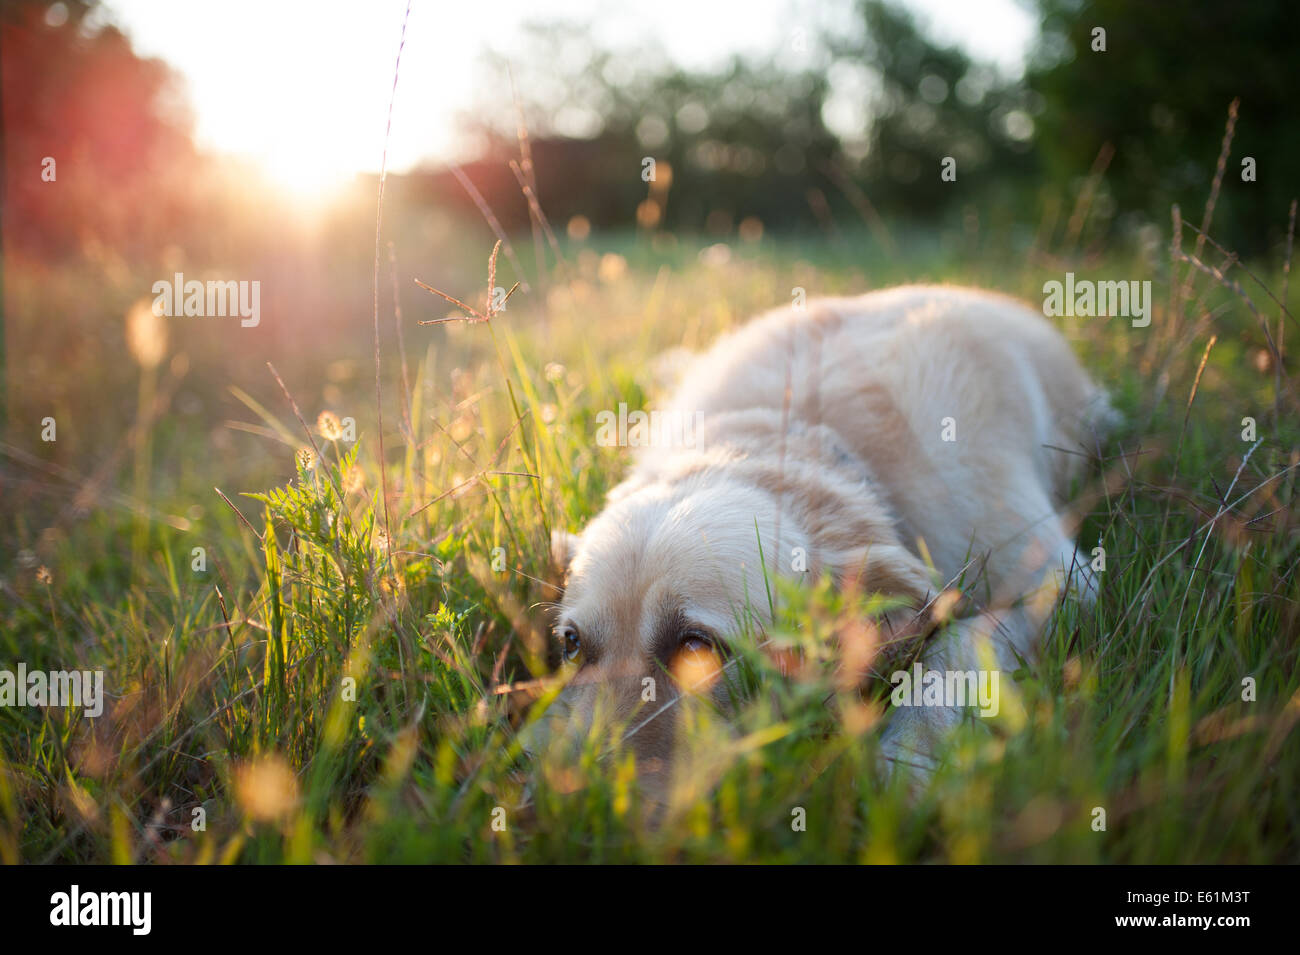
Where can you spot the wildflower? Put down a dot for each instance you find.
(579, 228)
(266, 788)
(329, 426)
(146, 335)
(612, 267)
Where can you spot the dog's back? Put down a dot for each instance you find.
(968, 407)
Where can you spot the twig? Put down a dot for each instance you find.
(858, 199)
(536, 208)
(401, 343)
(493, 223)
(379, 221)
(474, 315)
(1224, 147)
(1074, 228)
(310, 437)
(530, 173)
(1196, 384)
(239, 513)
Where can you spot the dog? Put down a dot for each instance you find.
(899, 441)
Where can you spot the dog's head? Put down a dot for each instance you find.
(662, 584)
(658, 588)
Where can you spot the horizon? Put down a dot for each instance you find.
(322, 127)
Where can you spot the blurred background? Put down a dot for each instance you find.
(243, 141)
(655, 174)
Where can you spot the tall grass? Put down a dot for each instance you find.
(231, 686)
(347, 675)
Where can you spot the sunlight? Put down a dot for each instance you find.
(304, 99)
(306, 96)
(301, 171)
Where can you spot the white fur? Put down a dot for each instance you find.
(823, 429)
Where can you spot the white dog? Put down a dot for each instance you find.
(900, 441)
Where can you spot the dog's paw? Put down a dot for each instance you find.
(1070, 573)
(910, 744)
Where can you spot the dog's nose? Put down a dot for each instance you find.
(540, 732)
(580, 716)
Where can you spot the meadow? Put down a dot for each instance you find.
(341, 673)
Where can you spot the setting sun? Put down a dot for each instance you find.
(306, 98)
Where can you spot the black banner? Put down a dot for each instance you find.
(144, 906)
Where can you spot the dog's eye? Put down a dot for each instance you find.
(572, 643)
(692, 641)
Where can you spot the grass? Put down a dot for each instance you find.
(323, 692)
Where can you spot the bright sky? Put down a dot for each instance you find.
(302, 86)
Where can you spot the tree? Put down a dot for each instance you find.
(1159, 94)
(929, 103)
(81, 107)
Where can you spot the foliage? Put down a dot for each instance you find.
(230, 688)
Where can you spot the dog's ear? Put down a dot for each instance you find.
(563, 546)
(890, 569)
(887, 568)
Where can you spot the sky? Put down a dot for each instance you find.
(302, 87)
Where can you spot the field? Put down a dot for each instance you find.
(341, 672)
